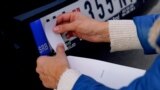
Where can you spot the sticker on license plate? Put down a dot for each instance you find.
(67, 38)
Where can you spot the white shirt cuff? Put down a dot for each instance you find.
(123, 35)
(68, 79)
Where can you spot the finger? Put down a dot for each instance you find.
(65, 17)
(40, 71)
(40, 63)
(44, 80)
(48, 82)
(65, 28)
(41, 60)
(60, 50)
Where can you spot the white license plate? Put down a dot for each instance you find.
(106, 9)
(98, 9)
(49, 21)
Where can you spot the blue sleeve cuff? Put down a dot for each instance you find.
(143, 25)
(150, 81)
(87, 83)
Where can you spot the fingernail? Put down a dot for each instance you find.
(60, 47)
(60, 44)
(56, 28)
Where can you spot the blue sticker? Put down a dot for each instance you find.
(40, 38)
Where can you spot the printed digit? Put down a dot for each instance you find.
(100, 6)
(63, 12)
(111, 9)
(87, 5)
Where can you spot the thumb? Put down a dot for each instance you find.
(64, 28)
(60, 50)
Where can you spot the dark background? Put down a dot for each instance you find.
(17, 67)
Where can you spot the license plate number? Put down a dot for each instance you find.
(106, 9)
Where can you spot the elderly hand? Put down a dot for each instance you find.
(50, 69)
(82, 27)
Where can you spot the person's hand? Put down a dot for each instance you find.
(51, 68)
(82, 27)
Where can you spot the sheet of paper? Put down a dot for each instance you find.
(49, 21)
(109, 74)
(53, 38)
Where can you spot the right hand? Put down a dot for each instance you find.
(82, 27)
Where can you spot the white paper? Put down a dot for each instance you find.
(109, 74)
(53, 38)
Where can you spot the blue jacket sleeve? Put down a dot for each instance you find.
(150, 81)
(144, 24)
(87, 83)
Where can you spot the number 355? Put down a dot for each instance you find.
(88, 6)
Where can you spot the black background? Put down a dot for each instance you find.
(17, 66)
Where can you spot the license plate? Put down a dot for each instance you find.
(101, 10)
(67, 39)
(106, 9)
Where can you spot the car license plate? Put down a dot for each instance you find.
(97, 9)
(107, 9)
(100, 9)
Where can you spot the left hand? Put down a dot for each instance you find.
(50, 68)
